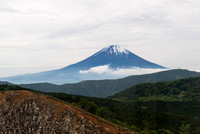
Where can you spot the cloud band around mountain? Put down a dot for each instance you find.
(105, 69)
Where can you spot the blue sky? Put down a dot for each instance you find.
(38, 35)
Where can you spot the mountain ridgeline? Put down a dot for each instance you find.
(105, 88)
(113, 56)
(184, 89)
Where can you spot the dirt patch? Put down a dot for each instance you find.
(34, 113)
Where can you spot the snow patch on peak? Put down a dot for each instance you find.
(115, 49)
(118, 49)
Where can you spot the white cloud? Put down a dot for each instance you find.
(105, 69)
(99, 70)
(197, 70)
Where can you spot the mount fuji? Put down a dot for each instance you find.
(112, 58)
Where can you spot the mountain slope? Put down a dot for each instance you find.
(184, 89)
(27, 112)
(5, 83)
(105, 88)
(113, 56)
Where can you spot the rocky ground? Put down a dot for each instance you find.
(24, 112)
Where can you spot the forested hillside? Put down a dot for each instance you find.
(162, 116)
(184, 90)
(105, 88)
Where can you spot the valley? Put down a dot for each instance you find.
(175, 115)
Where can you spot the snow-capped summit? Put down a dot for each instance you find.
(112, 57)
(116, 57)
(115, 49)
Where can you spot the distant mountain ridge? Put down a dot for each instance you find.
(5, 83)
(105, 88)
(113, 56)
(184, 89)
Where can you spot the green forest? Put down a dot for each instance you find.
(163, 108)
(105, 88)
(184, 90)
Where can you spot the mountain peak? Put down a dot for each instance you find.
(115, 49)
(113, 57)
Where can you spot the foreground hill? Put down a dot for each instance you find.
(184, 89)
(162, 116)
(27, 112)
(105, 88)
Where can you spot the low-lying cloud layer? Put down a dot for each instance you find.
(105, 69)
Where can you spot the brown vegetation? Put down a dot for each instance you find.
(27, 112)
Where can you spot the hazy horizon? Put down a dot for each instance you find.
(45, 35)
